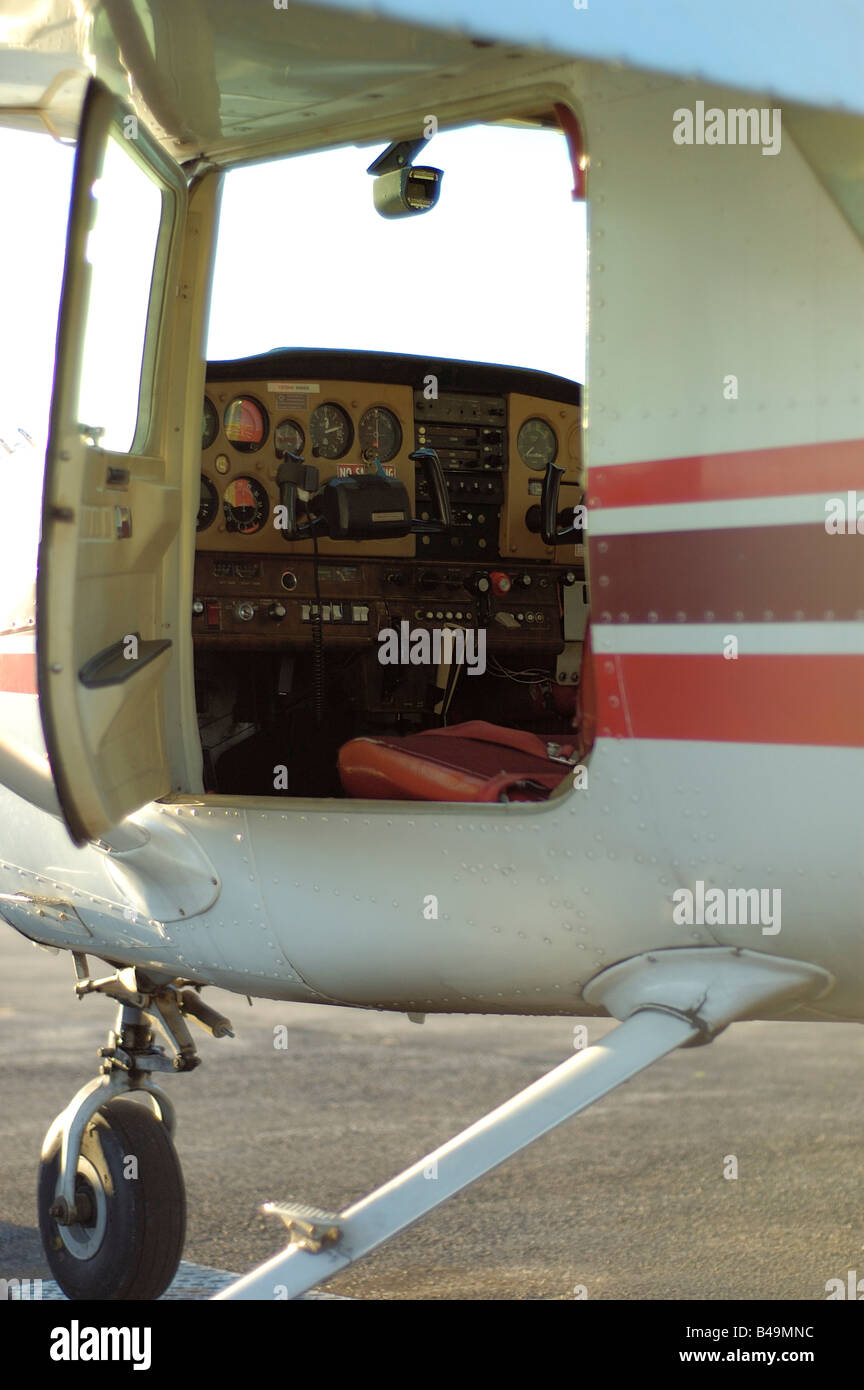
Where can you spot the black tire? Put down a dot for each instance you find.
(131, 1243)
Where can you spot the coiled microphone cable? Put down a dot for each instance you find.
(317, 641)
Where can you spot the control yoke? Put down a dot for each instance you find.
(545, 519)
(438, 488)
(292, 475)
(370, 506)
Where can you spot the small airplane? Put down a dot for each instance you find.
(612, 766)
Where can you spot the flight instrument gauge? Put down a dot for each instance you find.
(288, 438)
(379, 434)
(537, 444)
(208, 506)
(330, 431)
(209, 423)
(246, 506)
(245, 424)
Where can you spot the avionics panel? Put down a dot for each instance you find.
(469, 435)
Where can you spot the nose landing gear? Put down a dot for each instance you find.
(127, 1238)
(112, 1205)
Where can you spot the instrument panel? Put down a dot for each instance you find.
(493, 443)
(338, 425)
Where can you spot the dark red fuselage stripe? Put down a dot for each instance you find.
(17, 673)
(816, 700)
(792, 573)
(785, 472)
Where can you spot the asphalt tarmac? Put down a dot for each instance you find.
(628, 1200)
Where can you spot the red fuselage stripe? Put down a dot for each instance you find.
(17, 673)
(815, 700)
(785, 472)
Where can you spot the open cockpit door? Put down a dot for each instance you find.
(111, 508)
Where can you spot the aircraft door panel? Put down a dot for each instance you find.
(112, 499)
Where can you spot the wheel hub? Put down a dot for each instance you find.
(84, 1237)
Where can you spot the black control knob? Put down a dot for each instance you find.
(478, 583)
(277, 612)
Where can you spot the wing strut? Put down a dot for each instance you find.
(667, 999)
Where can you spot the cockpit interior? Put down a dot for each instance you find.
(389, 546)
(289, 654)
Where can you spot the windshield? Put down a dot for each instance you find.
(494, 273)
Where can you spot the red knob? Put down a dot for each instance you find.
(500, 582)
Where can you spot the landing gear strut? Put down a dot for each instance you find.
(112, 1206)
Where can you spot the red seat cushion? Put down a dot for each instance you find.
(469, 762)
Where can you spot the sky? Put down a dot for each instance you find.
(494, 273)
(36, 177)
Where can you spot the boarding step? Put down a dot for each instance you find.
(310, 1228)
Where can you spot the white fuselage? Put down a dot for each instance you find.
(335, 901)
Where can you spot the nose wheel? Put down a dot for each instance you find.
(112, 1205)
(130, 1208)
